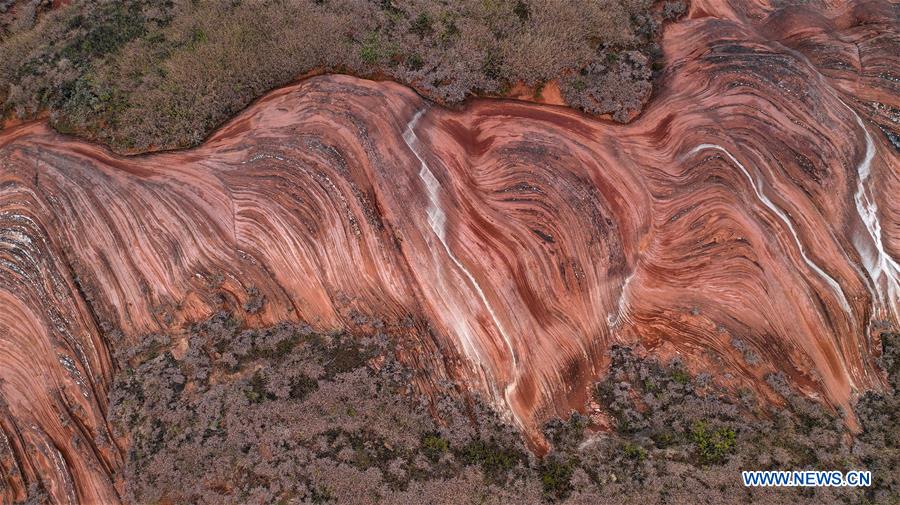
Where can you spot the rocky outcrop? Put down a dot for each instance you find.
(748, 212)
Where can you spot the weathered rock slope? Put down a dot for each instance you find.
(754, 201)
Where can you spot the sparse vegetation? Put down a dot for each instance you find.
(154, 75)
(296, 416)
(713, 445)
(673, 426)
(556, 478)
(299, 416)
(634, 452)
(255, 301)
(434, 446)
(495, 460)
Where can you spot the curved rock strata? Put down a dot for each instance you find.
(754, 201)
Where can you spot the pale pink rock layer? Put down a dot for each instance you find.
(755, 198)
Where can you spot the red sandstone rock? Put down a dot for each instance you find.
(753, 199)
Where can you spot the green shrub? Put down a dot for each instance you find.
(370, 51)
(422, 25)
(111, 26)
(712, 446)
(634, 452)
(495, 461)
(681, 376)
(415, 61)
(321, 495)
(556, 478)
(434, 446)
(522, 11)
(257, 389)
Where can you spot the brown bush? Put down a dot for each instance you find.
(283, 414)
(151, 75)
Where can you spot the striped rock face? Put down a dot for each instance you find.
(752, 207)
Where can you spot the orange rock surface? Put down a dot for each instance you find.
(755, 198)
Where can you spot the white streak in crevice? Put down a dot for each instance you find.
(882, 265)
(757, 189)
(622, 312)
(882, 268)
(437, 220)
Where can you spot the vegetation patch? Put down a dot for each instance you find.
(155, 75)
(434, 446)
(713, 445)
(556, 478)
(285, 414)
(495, 460)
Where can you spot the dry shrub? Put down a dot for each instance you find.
(286, 415)
(163, 74)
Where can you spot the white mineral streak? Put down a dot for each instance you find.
(882, 268)
(437, 220)
(757, 189)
